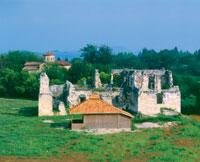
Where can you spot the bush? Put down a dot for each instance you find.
(56, 73)
(19, 84)
(105, 78)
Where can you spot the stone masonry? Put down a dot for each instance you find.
(148, 91)
(45, 103)
(144, 91)
(56, 96)
(47, 99)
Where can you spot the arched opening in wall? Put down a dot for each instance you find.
(151, 84)
(165, 83)
(159, 98)
(82, 98)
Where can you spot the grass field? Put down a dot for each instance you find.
(23, 135)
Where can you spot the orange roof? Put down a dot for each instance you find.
(49, 54)
(63, 63)
(95, 105)
(32, 63)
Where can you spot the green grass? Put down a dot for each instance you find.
(160, 118)
(22, 133)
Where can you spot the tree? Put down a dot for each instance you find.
(105, 78)
(104, 55)
(79, 70)
(89, 53)
(198, 98)
(56, 74)
(16, 59)
(8, 82)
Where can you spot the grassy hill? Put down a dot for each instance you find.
(25, 137)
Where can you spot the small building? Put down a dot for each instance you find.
(32, 66)
(98, 114)
(64, 64)
(49, 57)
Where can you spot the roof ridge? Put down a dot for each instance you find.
(97, 105)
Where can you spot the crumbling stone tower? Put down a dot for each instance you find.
(45, 103)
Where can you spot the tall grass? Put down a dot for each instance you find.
(23, 133)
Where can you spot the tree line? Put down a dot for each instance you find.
(185, 65)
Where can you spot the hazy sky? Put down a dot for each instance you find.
(68, 25)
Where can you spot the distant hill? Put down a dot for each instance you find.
(66, 54)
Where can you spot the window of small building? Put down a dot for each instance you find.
(151, 84)
(159, 98)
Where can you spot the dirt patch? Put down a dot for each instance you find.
(146, 125)
(196, 117)
(184, 142)
(74, 158)
(167, 132)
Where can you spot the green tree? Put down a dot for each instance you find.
(79, 70)
(105, 78)
(16, 59)
(198, 98)
(56, 74)
(90, 53)
(104, 55)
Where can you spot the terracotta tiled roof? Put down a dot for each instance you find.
(49, 54)
(31, 68)
(32, 63)
(63, 63)
(95, 105)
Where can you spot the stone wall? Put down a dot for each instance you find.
(47, 96)
(147, 102)
(147, 91)
(45, 103)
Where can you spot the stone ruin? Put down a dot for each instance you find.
(54, 99)
(149, 91)
(48, 103)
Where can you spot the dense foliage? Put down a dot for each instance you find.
(185, 67)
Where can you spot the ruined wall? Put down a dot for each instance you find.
(172, 99)
(45, 103)
(109, 96)
(74, 94)
(47, 97)
(147, 87)
(147, 102)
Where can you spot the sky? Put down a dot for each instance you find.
(68, 25)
